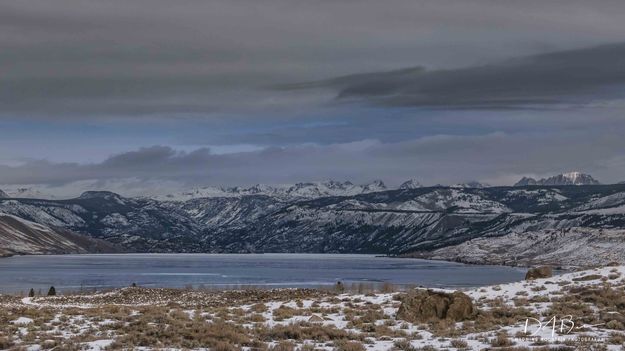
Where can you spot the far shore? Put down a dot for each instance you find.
(413, 255)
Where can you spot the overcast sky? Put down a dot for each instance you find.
(148, 96)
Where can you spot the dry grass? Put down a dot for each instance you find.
(280, 319)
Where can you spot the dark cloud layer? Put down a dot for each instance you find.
(503, 89)
(125, 58)
(568, 77)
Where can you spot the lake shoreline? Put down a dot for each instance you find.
(413, 255)
(329, 319)
(422, 256)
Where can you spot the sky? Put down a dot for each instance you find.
(146, 97)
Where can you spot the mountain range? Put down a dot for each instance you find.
(309, 190)
(571, 178)
(559, 224)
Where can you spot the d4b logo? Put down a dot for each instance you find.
(564, 325)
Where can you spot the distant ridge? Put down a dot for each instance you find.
(571, 178)
(305, 190)
(28, 193)
(471, 184)
(410, 184)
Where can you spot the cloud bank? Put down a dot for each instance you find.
(126, 58)
(575, 77)
(497, 158)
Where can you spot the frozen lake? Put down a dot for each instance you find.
(75, 272)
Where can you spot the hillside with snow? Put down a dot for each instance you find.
(470, 222)
(308, 190)
(19, 236)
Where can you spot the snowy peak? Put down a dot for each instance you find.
(410, 184)
(319, 189)
(471, 184)
(306, 190)
(106, 195)
(578, 178)
(525, 181)
(376, 185)
(3, 195)
(28, 193)
(571, 178)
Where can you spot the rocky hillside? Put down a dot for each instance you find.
(20, 236)
(492, 224)
(571, 178)
(139, 225)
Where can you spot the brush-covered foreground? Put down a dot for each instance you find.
(584, 310)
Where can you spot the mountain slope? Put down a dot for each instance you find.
(140, 225)
(571, 246)
(19, 236)
(427, 219)
(467, 224)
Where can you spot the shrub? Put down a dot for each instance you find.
(501, 340)
(459, 344)
(403, 345)
(349, 346)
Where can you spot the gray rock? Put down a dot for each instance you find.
(427, 305)
(539, 272)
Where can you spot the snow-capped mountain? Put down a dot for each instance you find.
(571, 178)
(375, 186)
(410, 184)
(471, 184)
(309, 190)
(25, 193)
(3, 195)
(465, 224)
(20, 236)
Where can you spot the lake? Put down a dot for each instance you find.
(76, 272)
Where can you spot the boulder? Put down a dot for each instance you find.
(426, 305)
(539, 272)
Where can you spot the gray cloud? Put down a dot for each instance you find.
(498, 158)
(77, 74)
(575, 77)
(142, 57)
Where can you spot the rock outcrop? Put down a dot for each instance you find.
(571, 178)
(538, 273)
(427, 305)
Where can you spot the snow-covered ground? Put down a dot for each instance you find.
(576, 310)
